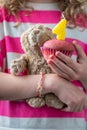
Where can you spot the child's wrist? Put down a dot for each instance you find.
(40, 87)
(49, 84)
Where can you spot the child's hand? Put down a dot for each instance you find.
(68, 93)
(68, 68)
(73, 96)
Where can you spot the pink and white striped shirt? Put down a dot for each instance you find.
(18, 115)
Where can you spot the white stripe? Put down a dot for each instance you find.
(11, 57)
(44, 6)
(3, 128)
(76, 33)
(9, 30)
(74, 57)
(1, 31)
(43, 123)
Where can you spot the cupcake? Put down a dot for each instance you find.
(60, 43)
(50, 47)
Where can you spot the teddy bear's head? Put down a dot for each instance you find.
(34, 38)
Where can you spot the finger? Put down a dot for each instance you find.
(63, 67)
(68, 109)
(67, 60)
(83, 105)
(79, 107)
(73, 108)
(79, 50)
(57, 70)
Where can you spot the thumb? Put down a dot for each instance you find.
(68, 109)
(80, 52)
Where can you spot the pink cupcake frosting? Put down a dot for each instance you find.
(51, 46)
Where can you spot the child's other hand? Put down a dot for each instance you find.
(68, 93)
(73, 96)
(68, 68)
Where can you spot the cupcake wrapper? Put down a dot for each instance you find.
(47, 52)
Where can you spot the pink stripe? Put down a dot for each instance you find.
(77, 83)
(3, 47)
(1, 19)
(34, 16)
(13, 44)
(8, 109)
(1, 60)
(2, 52)
(7, 70)
(79, 20)
(39, 17)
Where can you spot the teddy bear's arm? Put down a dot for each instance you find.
(19, 65)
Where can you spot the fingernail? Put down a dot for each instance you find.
(74, 42)
(51, 57)
(57, 53)
(49, 61)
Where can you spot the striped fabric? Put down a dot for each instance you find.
(18, 115)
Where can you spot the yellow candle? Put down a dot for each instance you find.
(60, 29)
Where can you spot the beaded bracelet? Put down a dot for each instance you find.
(40, 85)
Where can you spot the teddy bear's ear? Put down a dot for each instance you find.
(30, 37)
(24, 41)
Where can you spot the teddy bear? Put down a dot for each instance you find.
(33, 60)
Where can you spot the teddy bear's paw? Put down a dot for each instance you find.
(36, 102)
(17, 66)
(53, 101)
